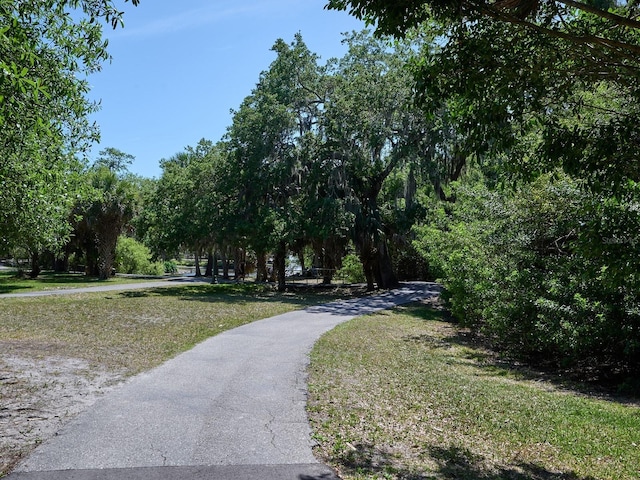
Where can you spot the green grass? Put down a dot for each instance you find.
(405, 395)
(137, 330)
(122, 333)
(10, 282)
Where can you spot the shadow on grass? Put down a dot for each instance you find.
(13, 288)
(459, 463)
(242, 293)
(585, 381)
(452, 463)
(64, 278)
(13, 282)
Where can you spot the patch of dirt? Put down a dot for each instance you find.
(39, 395)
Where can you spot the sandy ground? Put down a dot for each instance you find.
(38, 396)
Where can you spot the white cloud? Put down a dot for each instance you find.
(207, 15)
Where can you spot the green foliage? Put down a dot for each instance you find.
(101, 215)
(184, 208)
(549, 269)
(351, 270)
(601, 36)
(170, 266)
(528, 89)
(114, 159)
(134, 257)
(45, 55)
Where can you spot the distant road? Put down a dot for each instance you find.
(169, 282)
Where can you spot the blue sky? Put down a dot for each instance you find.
(179, 67)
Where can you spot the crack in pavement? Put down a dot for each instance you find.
(245, 393)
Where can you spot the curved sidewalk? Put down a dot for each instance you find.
(233, 407)
(166, 282)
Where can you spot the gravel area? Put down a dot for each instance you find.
(38, 396)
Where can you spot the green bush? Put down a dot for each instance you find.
(170, 267)
(351, 270)
(155, 269)
(135, 258)
(548, 270)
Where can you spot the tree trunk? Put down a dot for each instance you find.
(198, 271)
(35, 265)
(261, 267)
(61, 264)
(279, 265)
(209, 270)
(387, 278)
(216, 270)
(328, 265)
(301, 261)
(107, 242)
(238, 265)
(225, 265)
(368, 273)
(367, 257)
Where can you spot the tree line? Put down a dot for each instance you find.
(490, 145)
(317, 157)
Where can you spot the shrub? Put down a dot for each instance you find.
(549, 270)
(155, 269)
(135, 258)
(170, 266)
(351, 270)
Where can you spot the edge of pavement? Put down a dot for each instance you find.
(215, 469)
(315, 471)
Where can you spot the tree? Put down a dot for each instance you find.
(115, 160)
(186, 202)
(266, 143)
(36, 209)
(365, 127)
(310, 151)
(525, 90)
(610, 41)
(101, 215)
(108, 214)
(509, 67)
(46, 50)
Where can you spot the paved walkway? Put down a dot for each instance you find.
(169, 282)
(233, 407)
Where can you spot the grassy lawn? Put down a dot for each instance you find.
(11, 283)
(137, 330)
(406, 395)
(55, 349)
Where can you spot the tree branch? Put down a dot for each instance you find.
(624, 50)
(620, 20)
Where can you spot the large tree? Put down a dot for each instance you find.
(605, 31)
(267, 149)
(104, 211)
(47, 48)
(505, 69)
(186, 204)
(530, 88)
(366, 128)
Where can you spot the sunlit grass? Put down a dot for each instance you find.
(136, 330)
(402, 395)
(11, 282)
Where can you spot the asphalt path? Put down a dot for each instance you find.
(169, 282)
(233, 407)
